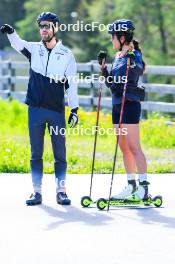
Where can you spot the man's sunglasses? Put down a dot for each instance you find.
(44, 26)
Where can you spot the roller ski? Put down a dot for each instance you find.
(140, 197)
(86, 201)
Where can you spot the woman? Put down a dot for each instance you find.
(134, 160)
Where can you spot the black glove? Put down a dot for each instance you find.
(132, 56)
(7, 29)
(73, 117)
(102, 55)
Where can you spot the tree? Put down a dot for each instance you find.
(27, 27)
(10, 12)
(153, 21)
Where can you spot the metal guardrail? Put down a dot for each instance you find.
(9, 85)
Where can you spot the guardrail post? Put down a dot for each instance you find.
(12, 73)
(1, 74)
(3, 86)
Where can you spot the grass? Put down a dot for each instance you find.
(157, 137)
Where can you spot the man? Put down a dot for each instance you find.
(45, 98)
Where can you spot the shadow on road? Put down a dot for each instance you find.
(153, 216)
(148, 215)
(73, 214)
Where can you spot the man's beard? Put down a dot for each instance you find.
(47, 38)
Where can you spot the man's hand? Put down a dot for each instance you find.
(73, 118)
(101, 57)
(7, 29)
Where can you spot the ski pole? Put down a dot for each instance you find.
(96, 126)
(120, 123)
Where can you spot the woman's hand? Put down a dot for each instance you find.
(101, 57)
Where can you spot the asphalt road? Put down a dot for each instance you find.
(51, 234)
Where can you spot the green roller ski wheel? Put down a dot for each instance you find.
(157, 201)
(86, 201)
(102, 203)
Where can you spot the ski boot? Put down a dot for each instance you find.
(34, 199)
(128, 191)
(62, 198)
(119, 199)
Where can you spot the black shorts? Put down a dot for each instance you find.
(131, 112)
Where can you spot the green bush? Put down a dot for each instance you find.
(157, 137)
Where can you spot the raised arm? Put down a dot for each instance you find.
(16, 42)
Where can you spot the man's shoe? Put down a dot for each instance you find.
(63, 199)
(34, 199)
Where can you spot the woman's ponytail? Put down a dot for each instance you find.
(137, 47)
